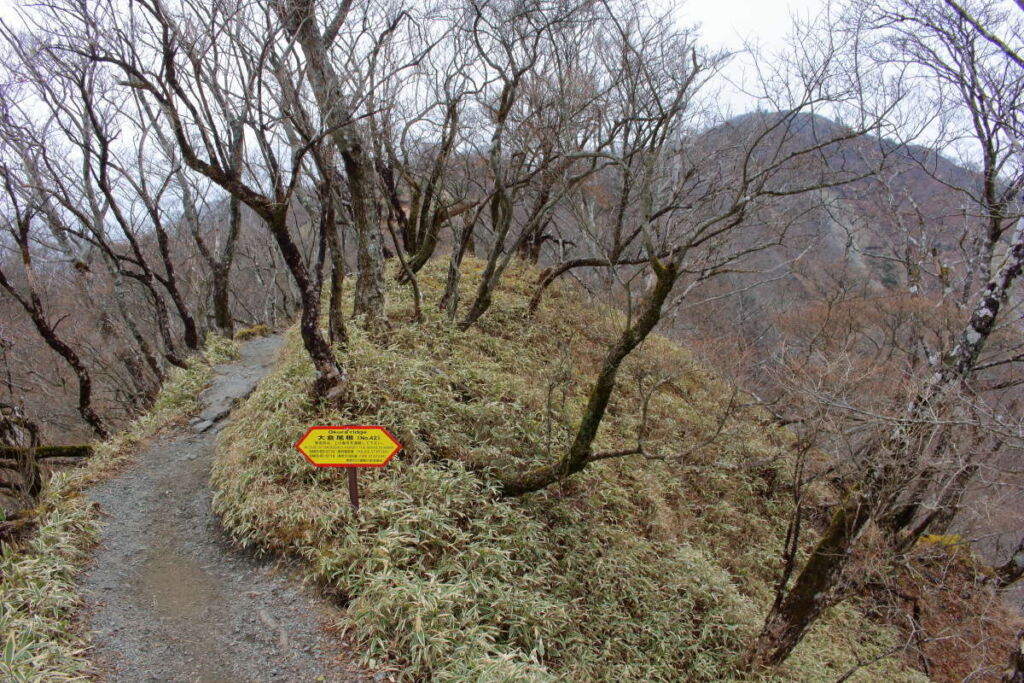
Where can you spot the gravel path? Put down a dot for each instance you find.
(169, 599)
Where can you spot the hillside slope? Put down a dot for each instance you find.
(635, 570)
(854, 235)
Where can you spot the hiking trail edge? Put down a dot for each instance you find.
(167, 596)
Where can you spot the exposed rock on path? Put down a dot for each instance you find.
(168, 598)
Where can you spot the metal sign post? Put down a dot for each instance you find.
(349, 446)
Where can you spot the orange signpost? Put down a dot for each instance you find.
(348, 446)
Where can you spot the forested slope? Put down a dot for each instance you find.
(644, 567)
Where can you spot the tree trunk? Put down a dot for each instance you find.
(335, 313)
(813, 590)
(146, 276)
(85, 408)
(330, 378)
(369, 291)
(1015, 672)
(34, 307)
(163, 322)
(152, 361)
(336, 317)
(427, 245)
(190, 334)
(579, 454)
(450, 299)
(501, 221)
(220, 268)
(1010, 571)
(219, 264)
(794, 612)
(220, 282)
(299, 19)
(802, 604)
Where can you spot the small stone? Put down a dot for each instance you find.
(202, 426)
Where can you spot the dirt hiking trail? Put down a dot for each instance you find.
(168, 598)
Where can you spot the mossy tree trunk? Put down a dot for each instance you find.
(220, 273)
(369, 288)
(329, 380)
(581, 451)
(891, 467)
(300, 130)
(449, 302)
(499, 258)
(500, 206)
(335, 314)
(798, 608)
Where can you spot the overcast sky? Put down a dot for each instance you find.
(726, 23)
(729, 24)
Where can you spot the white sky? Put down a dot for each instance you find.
(730, 24)
(726, 23)
(7, 10)
(723, 24)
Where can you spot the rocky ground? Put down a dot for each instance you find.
(169, 599)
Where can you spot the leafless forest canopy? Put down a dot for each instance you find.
(848, 252)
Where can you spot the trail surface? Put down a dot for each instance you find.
(169, 598)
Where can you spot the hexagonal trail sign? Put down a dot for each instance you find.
(348, 446)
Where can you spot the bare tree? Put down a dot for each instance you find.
(339, 112)
(219, 256)
(179, 65)
(18, 224)
(899, 460)
(687, 206)
(542, 128)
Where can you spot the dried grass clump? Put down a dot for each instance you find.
(219, 349)
(634, 570)
(259, 330)
(37, 594)
(949, 541)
